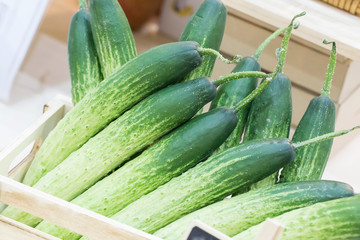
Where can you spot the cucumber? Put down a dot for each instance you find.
(124, 137)
(234, 215)
(207, 182)
(231, 93)
(335, 219)
(157, 165)
(206, 27)
(114, 95)
(83, 60)
(318, 119)
(113, 37)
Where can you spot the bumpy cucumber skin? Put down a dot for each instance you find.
(330, 220)
(270, 117)
(140, 77)
(234, 215)
(231, 93)
(133, 131)
(167, 158)
(310, 161)
(206, 27)
(113, 37)
(83, 60)
(207, 182)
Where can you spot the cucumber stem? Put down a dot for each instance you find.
(330, 69)
(237, 75)
(210, 51)
(286, 39)
(323, 137)
(82, 4)
(267, 41)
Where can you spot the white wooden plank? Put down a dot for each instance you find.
(270, 230)
(65, 214)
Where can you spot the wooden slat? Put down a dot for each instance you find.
(270, 230)
(68, 215)
(321, 21)
(12, 230)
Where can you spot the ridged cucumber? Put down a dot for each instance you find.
(331, 220)
(234, 215)
(206, 183)
(318, 119)
(83, 60)
(206, 27)
(145, 74)
(134, 130)
(113, 37)
(167, 158)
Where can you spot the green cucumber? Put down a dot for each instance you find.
(220, 175)
(145, 74)
(167, 158)
(124, 137)
(330, 220)
(83, 60)
(206, 27)
(229, 94)
(206, 183)
(234, 215)
(270, 113)
(318, 119)
(113, 37)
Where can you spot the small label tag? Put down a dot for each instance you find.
(200, 231)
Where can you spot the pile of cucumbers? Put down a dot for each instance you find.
(139, 148)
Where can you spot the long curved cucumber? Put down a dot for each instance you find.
(231, 93)
(83, 60)
(318, 119)
(206, 27)
(113, 37)
(130, 133)
(206, 183)
(140, 77)
(158, 164)
(331, 220)
(234, 215)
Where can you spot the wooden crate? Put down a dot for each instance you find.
(56, 210)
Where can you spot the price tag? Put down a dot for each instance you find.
(200, 231)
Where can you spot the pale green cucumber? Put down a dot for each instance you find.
(127, 135)
(145, 74)
(332, 220)
(234, 215)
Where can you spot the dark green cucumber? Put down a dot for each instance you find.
(229, 94)
(206, 27)
(330, 220)
(167, 158)
(207, 182)
(318, 119)
(234, 215)
(145, 74)
(113, 37)
(83, 60)
(130, 133)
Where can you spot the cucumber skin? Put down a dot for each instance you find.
(164, 160)
(231, 93)
(113, 37)
(207, 182)
(310, 161)
(270, 117)
(136, 80)
(83, 60)
(127, 135)
(331, 220)
(234, 215)
(206, 27)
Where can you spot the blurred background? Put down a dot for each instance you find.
(34, 61)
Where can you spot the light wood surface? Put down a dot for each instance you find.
(270, 230)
